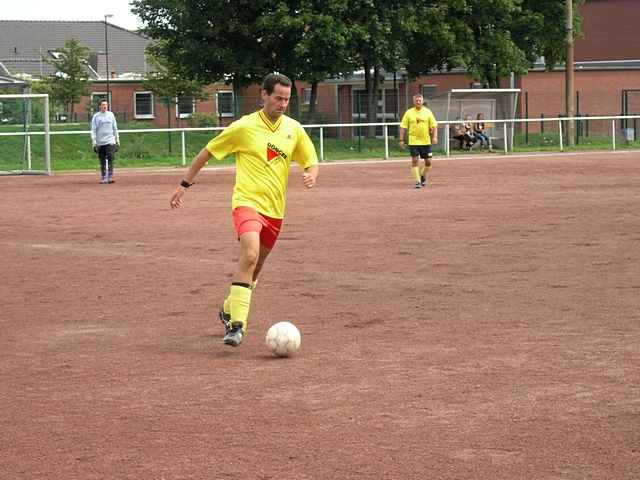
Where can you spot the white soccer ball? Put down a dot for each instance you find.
(283, 339)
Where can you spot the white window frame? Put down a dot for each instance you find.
(428, 86)
(224, 114)
(135, 105)
(100, 94)
(306, 96)
(185, 115)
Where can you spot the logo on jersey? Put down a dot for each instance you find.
(274, 152)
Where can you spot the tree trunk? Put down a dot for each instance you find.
(294, 104)
(371, 82)
(169, 102)
(312, 100)
(237, 88)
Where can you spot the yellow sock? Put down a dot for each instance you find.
(421, 170)
(226, 305)
(416, 173)
(240, 300)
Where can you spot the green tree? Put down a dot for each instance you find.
(489, 38)
(240, 41)
(541, 30)
(489, 50)
(321, 50)
(208, 40)
(70, 81)
(375, 43)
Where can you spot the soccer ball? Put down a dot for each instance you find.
(283, 339)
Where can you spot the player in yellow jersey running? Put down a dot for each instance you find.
(423, 132)
(264, 144)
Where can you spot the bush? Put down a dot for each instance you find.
(202, 120)
(137, 148)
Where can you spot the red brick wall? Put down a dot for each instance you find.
(600, 92)
(122, 104)
(611, 30)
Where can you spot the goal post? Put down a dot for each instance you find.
(25, 145)
(494, 103)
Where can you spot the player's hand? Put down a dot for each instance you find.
(176, 199)
(308, 179)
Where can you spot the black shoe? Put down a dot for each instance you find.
(234, 335)
(225, 318)
(423, 180)
(111, 180)
(418, 185)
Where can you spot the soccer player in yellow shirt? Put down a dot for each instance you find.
(264, 144)
(423, 132)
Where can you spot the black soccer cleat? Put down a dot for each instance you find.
(225, 318)
(234, 335)
(423, 180)
(418, 185)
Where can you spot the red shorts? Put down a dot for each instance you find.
(246, 219)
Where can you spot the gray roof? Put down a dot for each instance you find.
(9, 81)
(24, 42)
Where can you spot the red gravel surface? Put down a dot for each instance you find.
(486, 327)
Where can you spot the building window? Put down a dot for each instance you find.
(306, 96)
(429, 91)
(225, 104)
(96, 98)
(186, 107)
(143, 104)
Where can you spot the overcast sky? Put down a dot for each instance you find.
(70, 10)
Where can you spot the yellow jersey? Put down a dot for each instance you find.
(418, 122)
(263, 151)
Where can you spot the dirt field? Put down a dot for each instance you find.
(487, 327)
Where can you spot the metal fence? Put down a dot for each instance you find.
(506, 134)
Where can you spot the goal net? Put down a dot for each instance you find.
(25, 146)
(494, 103)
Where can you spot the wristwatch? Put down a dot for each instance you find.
(185, 184)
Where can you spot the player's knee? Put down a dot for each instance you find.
(250, 257)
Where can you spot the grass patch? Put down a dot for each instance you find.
(164, 149)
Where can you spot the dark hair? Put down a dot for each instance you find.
(271, 80)
(103, 101)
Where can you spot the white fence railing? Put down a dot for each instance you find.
(507, 127)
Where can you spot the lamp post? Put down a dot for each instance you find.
(569, 74)
(106, 49)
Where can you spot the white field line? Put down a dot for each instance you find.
(102, 249)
